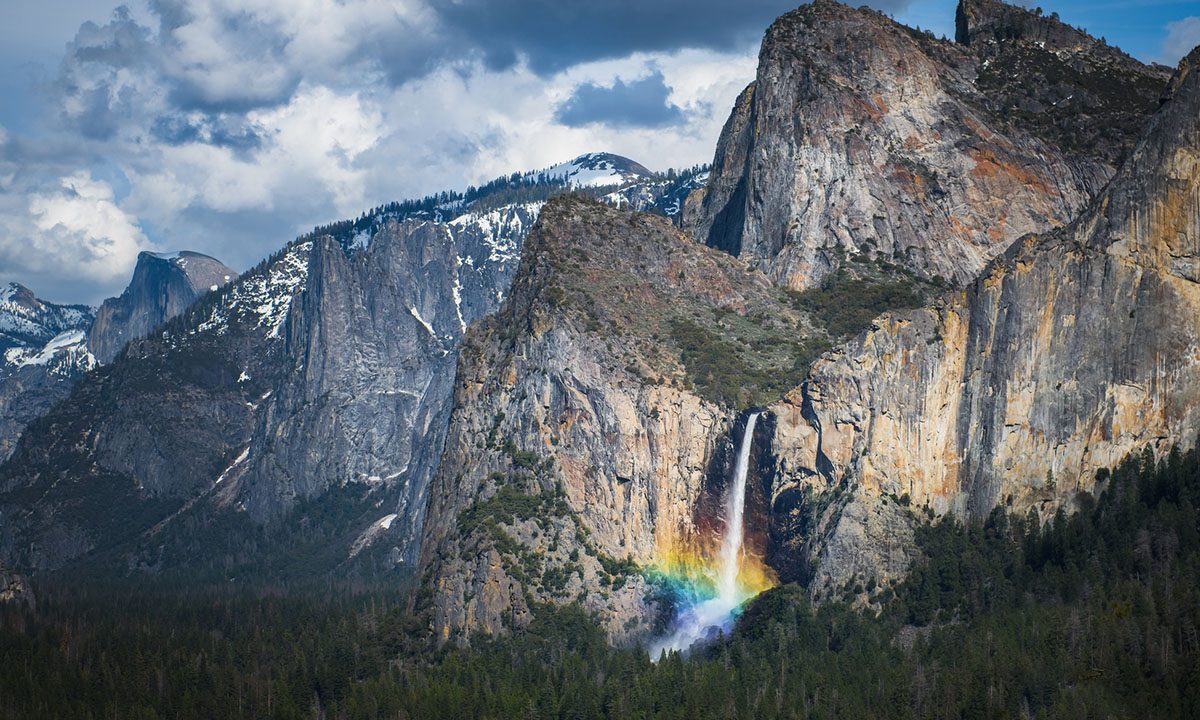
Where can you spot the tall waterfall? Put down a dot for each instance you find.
(735, 515)
(715, 614)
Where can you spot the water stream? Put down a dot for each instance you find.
(717, 613)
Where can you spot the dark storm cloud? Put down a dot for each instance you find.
(554, 35)
(218, 130)
(641, 103)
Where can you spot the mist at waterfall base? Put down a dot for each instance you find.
(710, 592)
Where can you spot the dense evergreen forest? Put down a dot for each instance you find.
(1092, 615)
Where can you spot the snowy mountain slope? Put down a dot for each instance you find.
(26, 321)
(42, 350)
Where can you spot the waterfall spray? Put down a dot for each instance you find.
(717, 613)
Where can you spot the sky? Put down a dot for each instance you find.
(231, 126)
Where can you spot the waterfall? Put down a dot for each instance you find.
(735, 515)
(716, 614)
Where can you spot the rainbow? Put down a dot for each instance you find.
(708, 589)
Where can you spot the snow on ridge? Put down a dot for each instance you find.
(264, 297)
(456, 289)
(499, 228)
(591, 170)
(237, 461)
(68, 350)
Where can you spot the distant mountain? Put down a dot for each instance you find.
(598, 170)
(42, 350)
(310, 396)
(163, 285)
(47, 347)
(27, 322)
(615, 179)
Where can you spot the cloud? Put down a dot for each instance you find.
(77, 225)
(552, 35)
(640, 103)
(1182, 37)
(231, 126)
(107, 76)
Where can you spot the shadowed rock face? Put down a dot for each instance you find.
(163, 285)
(861, 136)
(372, 346)
(1071, 350)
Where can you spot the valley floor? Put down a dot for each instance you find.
(1094, 615)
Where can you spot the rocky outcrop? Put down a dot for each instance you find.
(163, 285)
(1083, 95)
(1071, 350)
(579, 448)
(860, 136)
(14, 588)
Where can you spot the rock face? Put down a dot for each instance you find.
(42, 351)
(861, 136)
(163, 285)
(1071, 350)
(577, 439)
(372, 346)
(14, 588)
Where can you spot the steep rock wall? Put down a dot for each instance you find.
(1071, 350)
(860, 136)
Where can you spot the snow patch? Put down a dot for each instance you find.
(71, 340)
(240, 459)
(421, 320)
(591, 170)
(372, 533)
(265, 297)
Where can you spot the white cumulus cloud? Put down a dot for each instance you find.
(1182, 36)
(78, 225)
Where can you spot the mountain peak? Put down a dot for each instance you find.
(163, 285)
(992, 21)
(599, 169)
(19, 294)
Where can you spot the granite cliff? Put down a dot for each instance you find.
(163, 285)
(592, 419)
(864, 137)
(1073, 349)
